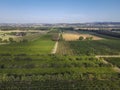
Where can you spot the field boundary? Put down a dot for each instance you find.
(55, 48)
(102, 56)
(115, 68)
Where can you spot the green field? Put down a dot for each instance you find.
(30, 65)
(90, 47)
(42, 45)
(101, 47)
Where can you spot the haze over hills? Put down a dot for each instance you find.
(90, 24)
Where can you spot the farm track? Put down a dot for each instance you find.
(55, 48)
(107, 56)
(64, 49)
(115, 68)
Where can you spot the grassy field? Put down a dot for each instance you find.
(42, 45)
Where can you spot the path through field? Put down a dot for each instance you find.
(117, 69)
(55, 48)
(107, 56)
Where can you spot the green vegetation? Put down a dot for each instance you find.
(101, 47)
(114, 61)
(29, 64)
(89, 47)
(64, 48)
(11, 40)
(62, 85)
(81, 38)
(0, 40)
(42, 45)
(89, 38)
(37, 71)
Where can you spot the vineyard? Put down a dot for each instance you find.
(102, 47)
(64, 72)
(64, 48)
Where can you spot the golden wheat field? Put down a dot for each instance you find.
(74, 36)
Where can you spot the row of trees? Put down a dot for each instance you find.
(11, 40)
(55, 37)
(6, 40)
(87, 38)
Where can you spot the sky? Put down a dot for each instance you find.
(59, 11)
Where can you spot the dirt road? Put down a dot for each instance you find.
(55, 48)
(107, 56)
(115, 68)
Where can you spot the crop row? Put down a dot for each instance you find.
(114, 61)
(102, 47)
(51, 72)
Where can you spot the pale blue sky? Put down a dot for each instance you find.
(59, 11)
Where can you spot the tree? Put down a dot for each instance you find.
(0, 40)
(24, 40)
(11, 39)
(89, 38)
(81, 38)
(23, 33)
(5, 41)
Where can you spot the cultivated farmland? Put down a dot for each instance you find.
(37, 71)
(76, 36)
(43, 44)
(29, 64)
(95, 46)
(19, 35)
